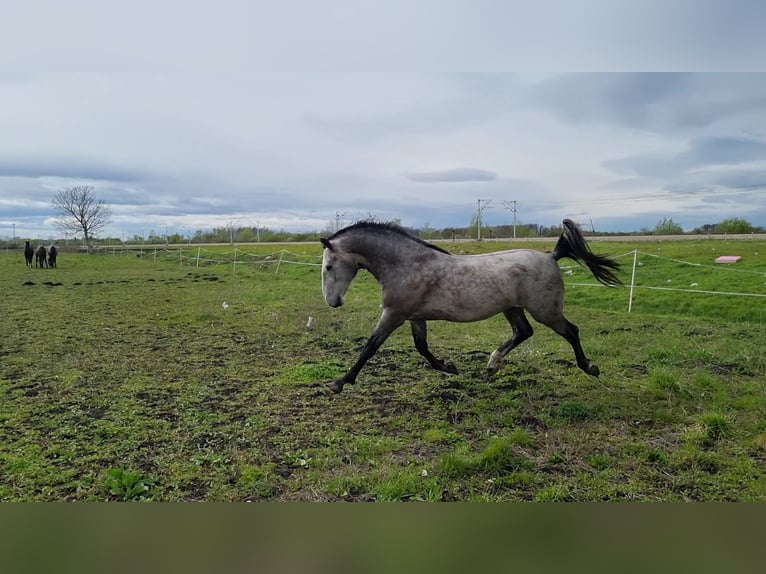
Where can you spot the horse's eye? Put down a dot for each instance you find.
(328, 267)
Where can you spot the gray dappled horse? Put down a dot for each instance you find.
(41, 257)
(423, 282)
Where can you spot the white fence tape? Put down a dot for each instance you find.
(632, 285)
(285, 257)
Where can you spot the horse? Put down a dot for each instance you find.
(29, 253)
(41, 259)
(52, 255)
(422, 282)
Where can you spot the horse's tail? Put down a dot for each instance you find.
(572, 244)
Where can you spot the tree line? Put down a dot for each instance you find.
(82, 216)
(666, 226)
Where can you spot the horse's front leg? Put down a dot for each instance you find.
(420, 336)
(387, 324)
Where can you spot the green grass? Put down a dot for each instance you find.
(125, 377)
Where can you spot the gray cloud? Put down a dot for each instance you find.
(629, 99)
(457, 175)
(465, 100)
(66, 168)
(658, 102)
(743, 179)
(727, 150)
(445, 116)
(709, 151)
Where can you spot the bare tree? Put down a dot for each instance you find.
(80, 212)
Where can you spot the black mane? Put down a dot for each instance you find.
(382, 227)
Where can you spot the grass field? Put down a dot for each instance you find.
(127, 377)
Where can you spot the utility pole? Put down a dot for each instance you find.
(481, 205)
(511, 206)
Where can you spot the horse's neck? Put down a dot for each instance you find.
(381, 257)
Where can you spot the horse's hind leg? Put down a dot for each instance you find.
(522, 331)
(420, 336)
(572, 334)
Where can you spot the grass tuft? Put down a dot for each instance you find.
(573, 411)
(716, 427)
(300, 374)
(500, 457)
(128, 485)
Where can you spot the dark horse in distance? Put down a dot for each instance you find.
(29, 254)
(52, 255)
(41, 257)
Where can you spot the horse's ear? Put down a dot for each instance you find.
(326, 243)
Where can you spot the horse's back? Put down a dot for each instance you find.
(521, 273)
(475, 287)
(522, 265)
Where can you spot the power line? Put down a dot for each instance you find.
(511, 206)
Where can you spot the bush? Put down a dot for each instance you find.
(735, 225)
(666, 226)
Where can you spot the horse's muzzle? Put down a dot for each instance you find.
(335, 302)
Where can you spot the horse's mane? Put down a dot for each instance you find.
(386, 226)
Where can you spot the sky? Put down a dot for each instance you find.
(296, 115)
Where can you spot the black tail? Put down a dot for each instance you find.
(572, 244)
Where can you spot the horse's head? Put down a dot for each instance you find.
(338, 270)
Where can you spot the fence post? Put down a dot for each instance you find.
(234, 269)
(632, 280)
(198, 250)
(281, 254)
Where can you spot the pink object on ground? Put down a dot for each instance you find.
(728, 259)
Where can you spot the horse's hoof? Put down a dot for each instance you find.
(335, 386)
(593, 370)
(491, 373)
